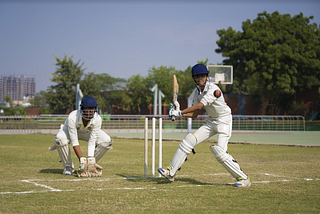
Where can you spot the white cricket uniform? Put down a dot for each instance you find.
(220, 119)
(73, 130)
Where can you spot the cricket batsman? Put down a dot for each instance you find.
(208, 95)
(83, 124)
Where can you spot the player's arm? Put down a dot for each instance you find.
(192, 111)
(78, 151)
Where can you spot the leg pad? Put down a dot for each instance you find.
(228, 162)
(64, 153)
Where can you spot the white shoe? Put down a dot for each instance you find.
(242, 182)
(67, 171)
(166, 173)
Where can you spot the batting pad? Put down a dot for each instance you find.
(228, 162)
(64, 153)
(188, 143)
(177, 161)
(185, 148)
(101, 149)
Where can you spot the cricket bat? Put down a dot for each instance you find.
(175, 92)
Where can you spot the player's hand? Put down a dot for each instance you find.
(94, 169)
(177, 105)
(83, 168)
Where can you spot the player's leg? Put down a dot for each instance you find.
(61, 144)
(184, 149)
(104, 144)
(224, 129)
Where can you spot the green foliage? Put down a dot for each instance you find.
(18, 110)
(104, 88)
(40, 99)
(8, 99)
(163, 77)
(138, 89)
(297, 109)
(45, 110)
(61, 97)
(136, 93)
(273, 53)
(186, 83)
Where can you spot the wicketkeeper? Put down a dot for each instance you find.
(208, 95)
(83, 124)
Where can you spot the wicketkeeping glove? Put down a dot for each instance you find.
(83, 168)
(94, 169)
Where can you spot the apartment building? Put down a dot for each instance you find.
(17, 87)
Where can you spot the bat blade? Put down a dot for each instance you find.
(175, 88)
(175, 93)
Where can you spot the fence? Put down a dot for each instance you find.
(135, 123)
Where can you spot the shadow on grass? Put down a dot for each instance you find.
(52, 171)
(161, 180)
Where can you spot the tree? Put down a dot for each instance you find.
(8, 100)
(136, 93)
(162, 76)
(61, 97)
(103, 87)
(273, 55)
(39, 99)
(138, 89)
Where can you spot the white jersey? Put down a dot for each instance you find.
(215, 107)
(75, 127)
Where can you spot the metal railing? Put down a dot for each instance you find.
(135, 123)
(268, 123)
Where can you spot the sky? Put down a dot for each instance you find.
(121, 37)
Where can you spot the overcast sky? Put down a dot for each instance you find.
(122, 38)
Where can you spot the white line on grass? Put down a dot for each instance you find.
(36, 182)
(41, 185)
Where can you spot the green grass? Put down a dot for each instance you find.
(31, 176)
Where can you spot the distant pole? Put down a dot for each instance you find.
(160, 103)
(155, 90)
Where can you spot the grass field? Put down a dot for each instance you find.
(284, 180)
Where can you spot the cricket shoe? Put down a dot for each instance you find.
(68, 170)
(166, 173)
(242, 182)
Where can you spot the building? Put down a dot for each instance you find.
(17, 87)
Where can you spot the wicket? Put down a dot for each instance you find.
(146, 139)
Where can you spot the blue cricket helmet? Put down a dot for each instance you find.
(88, 101)
(199, 69)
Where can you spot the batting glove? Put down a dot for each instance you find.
(174, 113)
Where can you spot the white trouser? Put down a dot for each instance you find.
(62, 140)
(222, 127)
